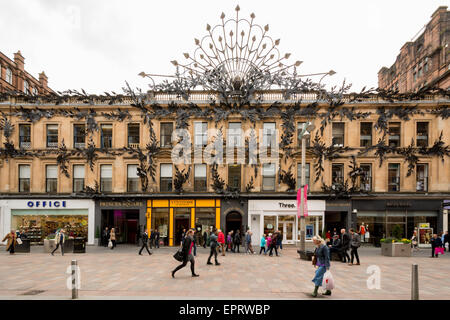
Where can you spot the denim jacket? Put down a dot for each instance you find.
(323, 258)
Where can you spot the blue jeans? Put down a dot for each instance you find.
(318, 277)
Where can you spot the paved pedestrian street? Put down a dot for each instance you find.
(123, 274)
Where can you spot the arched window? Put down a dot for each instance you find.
(35, 91)
(8, 75)
(26, 87)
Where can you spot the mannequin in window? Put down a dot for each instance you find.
(362, 232)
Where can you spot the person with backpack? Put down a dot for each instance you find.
(355, 243)
(213, 244)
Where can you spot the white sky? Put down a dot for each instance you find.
(98, 44)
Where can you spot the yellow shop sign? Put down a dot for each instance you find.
(182, 203)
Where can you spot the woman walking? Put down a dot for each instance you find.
(414, 242)
(268, 242)
(263, 244)
(230, 241)
(186, 252)
(322, 263)
(12, 241)
(112, 238)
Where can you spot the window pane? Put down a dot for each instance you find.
(24, 171)
(166, 170)
(166, 134)
(366, 134)
(52, 172)
(106, 171)
(338, 133)
(78, 171)
(394, 134)
(422, 134)
(200, 171)
(268, 169)
(132, 171)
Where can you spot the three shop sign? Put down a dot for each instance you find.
(46, 204)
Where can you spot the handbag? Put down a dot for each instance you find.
(438, 251)
(179, 255)
(110, 244)
(19, 241)
(328, 281)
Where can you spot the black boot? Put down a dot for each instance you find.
(209, 262)
(327, 293)
(314, 294)
(217, 263)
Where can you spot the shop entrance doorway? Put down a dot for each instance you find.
(287, 229)
(233, 222)
(180, 224)
(125, 223)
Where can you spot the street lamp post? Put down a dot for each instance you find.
(306, 131)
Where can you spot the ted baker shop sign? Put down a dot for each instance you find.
(46, 204)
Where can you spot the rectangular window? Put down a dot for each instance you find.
(133, 135)
(422, 134)
(299, 138)
(166, 134)
(24, 178)
(337, 174)
(366, 179)
(299, 175)
(394, 177)
(166, 177)
(234, 134)
(365, 134)
(422, 178)
(394, 134)
(201, 134)
(106, 136)
(52, 136)
(132, 178)
(24, 136)
(78, 178)
(51, 184)
(234, 176)
(268, 177)
(106, 178)
(79, 135)
(200, 177)
(338, 134)
(269, 134)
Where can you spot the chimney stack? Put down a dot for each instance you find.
(19, 60)
(43, 80)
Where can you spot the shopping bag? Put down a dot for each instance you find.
(438, 251)
(328, 281)
(446, 246)
(110, 244)
(19, 241)
(178, 255)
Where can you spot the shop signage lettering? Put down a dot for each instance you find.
(398, 204)
(120, 204)
(182, 203)
(286, 205)
(46, 204)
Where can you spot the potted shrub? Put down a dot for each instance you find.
(393, 247)
(97, 236)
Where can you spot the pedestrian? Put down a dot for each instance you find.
(12, 241)
(245, 241)
(335, 232)
(436, 242)
(186, 251)
(105, 237)
(205, 239)
(335, 247)
(355, 243)
(322, 258)
(441, 234)
(263, 244)
(221, 241)
(157, 238)
(345, 242)
(237, 240)
(268, 242)
(112, 237)
(446, 240)
(195, 245)
(279, 240)
(213, 243)
(414, 242)
(248, 241)
(273, 244)
(230, 241)
(59, 239)
(144, 243)
(328, 236)
(152, 239)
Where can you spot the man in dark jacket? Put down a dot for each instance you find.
(345, 241)
(237, 240)
(436, 242)
(213, 244)
(187, 253)
(152, 239)
(336, 247)
(144, 243)
(355, 243)
(157, 237)
(105, 237)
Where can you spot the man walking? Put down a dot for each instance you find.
(355, 243)
(59, 239)
(144, 243)
(213, 244)
(345, 242)
(105, 237)
(152, 239)
(248, 241)
(237, 240)
(335, 247)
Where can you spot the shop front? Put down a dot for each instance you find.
(171, 216)
(39, 219)
(267, 216)
(126, 216)
(397, 218)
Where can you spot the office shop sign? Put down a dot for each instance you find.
(46, 204)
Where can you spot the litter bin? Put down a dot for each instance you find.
(79, 245)
(24, 247)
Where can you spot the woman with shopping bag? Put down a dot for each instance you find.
(321, 261)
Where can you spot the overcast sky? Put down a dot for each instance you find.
(98, 44)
